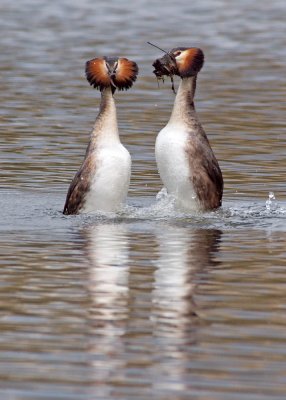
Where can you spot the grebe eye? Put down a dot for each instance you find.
(177, 53)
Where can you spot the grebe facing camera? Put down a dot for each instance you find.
(102, 182)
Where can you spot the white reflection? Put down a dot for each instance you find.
(108, 254)
(172, 269)
(143, 315)
(183, 253)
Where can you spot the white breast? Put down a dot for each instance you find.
(173, 166)
(109, 185)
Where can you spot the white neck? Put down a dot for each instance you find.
(105, 127)
(184, 109)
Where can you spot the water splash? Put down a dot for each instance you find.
(270, 201)
(163, 194)
(163, 207)
(232, 215)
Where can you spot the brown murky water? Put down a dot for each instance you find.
(150, 303)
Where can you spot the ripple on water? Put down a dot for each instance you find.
(270, 214)
(149, 302)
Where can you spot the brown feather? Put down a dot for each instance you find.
(206, 175)
(97, 73)
(191, 63)
(188, 64)
(79, 187)
(126, 74)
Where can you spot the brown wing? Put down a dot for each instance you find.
(206, 174)
(78, 188)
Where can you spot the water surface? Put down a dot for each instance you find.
(149, 302)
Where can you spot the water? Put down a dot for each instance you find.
(150, 302)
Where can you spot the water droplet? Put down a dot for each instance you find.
(269, 201)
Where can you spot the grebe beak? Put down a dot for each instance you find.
(112, 67)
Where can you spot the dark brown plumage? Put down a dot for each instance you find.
(79, 186)
(126, 74)
(206, 175)
(97, 73)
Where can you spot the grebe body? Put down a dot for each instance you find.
(102, 182)
(172, 163)
(186, 163)
(109, 184)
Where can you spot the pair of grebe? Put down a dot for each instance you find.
(185, 160)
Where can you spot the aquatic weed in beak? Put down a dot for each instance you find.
(165, 66)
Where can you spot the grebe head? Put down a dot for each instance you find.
(182, 61)
(117, 73)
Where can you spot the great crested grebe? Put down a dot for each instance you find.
(185, 160)
(102, 182)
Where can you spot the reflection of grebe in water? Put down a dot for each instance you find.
(107, 249)
(183, 253)
(142, 312)
(185, 160)
(185, 257)
(102, 182)
(108, 254)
